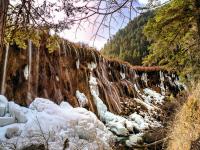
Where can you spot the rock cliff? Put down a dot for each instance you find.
(128, 99)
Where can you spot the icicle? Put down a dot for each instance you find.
(57, 79)
(37, 68)
(123, 76)
(94, 57)
(122, 72)
(64, 48)
(144, 78)
(135, 74)
(29, 69)
(76, 52)
(4, 70)
(77, 63)
(69, 50)
(162, 79)
(26, 73)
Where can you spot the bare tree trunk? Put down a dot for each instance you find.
(197, 5)
(3, 13)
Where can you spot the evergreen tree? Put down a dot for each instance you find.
(174, 36)
(129, 44)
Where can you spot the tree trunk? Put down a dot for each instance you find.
(197, 5)
(3, 14)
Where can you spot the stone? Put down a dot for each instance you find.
(6, 121)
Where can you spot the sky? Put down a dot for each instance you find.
(86, 33)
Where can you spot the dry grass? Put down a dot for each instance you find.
(186, 126)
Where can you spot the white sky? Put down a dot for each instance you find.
(86, 33)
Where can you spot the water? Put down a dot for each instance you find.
(4, 70)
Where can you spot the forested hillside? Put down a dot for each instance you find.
(175, 33)
(129, 44)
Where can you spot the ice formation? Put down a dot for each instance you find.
(122, 126)
(82, 99)
(44, 121)
(26, 72)
(77, 64)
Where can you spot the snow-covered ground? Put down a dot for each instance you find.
(46, 122)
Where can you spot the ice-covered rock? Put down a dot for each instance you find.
(3, 99)
(134, 140)
(3, 108)
(65, 105)
(3, 105)
(82, 99)
(129, 125)
(12, 132)
(154, 96)
(6, 121)
(118, 128)
(17, 112)
(139, 121)
(47, 120)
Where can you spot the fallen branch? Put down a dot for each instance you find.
(151, 144)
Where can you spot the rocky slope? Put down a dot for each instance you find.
(128, 99)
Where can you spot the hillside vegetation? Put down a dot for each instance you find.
(168, 37)
(174, 37)
(185, 131)
(129, 44)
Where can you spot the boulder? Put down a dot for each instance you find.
(6, 121)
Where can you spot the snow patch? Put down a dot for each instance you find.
(157, 97)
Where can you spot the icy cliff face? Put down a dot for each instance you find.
(128, 99)
(64, 74)
(45, 122)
